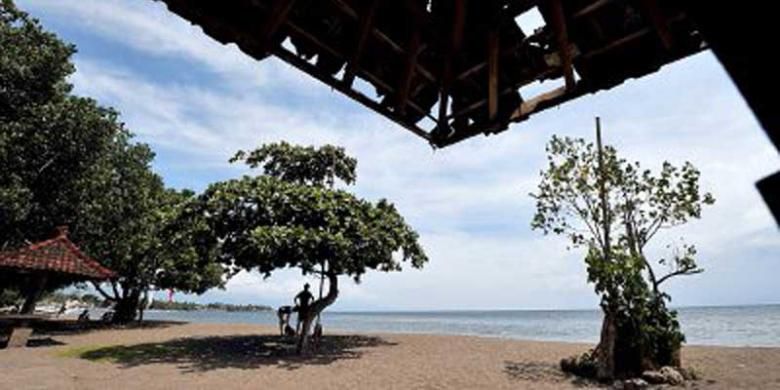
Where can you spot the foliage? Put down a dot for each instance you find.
(302, 164)
(615, 226)
(9, 297)
(69, 161)
(289, 218)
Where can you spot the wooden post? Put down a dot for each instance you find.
(603, 190)
(606, 348)
(562, 38)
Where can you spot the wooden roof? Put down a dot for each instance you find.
(451, 69)
(56, 255)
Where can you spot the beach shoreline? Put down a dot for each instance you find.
(187, 355)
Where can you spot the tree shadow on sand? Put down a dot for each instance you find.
(540, 371)
(73, 327)
(245, 352)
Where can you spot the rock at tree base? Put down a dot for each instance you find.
(672, 376)
(654, 377)
(634, 384)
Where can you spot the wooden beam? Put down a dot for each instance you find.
(366, 25)
(328, 80)
(658, 20)
(511, 88)
(295, 29)
(493, 45)
(412, 51)
(382, 37)
(627, 39)
(558, 20)
(275, 19)
(589, 9)
(456, 38)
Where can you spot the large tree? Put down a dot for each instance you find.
(290, 216)
(68, 161)
(136, 228)
(614, 210)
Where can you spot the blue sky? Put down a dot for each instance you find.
(197, 102)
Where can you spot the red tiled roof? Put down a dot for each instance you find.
(58, 254)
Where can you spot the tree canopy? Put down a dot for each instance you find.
(69, 161)
(288, 217)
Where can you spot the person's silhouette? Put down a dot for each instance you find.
(302, 301)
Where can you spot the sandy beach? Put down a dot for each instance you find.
(219, 356)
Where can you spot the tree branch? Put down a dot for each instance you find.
(103, 293)
(687, 271)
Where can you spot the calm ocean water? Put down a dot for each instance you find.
(734, 326)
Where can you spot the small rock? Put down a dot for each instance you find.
(654, 377)
(689, 374)
(617, 385)
(635, 384)
(672, 376)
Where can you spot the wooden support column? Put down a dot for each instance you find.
(366, 25)
(562, 38)
(493, 59)
(275, 19)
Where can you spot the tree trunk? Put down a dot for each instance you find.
(316, 308)
(605, 352)
(142, 306)
(33, 293)
(126, 308)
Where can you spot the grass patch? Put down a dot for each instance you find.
(78, 352)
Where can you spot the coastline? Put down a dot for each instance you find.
(172, 355)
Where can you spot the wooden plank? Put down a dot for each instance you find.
(493, 57)
(659, 22)
(366, 25)
(275, 19)
(558, 20)
(328, 80)
(19, 336)
(529, 106)
(295, 29)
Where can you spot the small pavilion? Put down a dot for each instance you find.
(53, 262)
(46, 264)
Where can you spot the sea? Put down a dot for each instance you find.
(757, 326)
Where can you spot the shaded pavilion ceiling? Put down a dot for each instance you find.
(448, 70)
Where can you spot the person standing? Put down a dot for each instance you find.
(303, 302)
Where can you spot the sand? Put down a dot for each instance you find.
(242, 356)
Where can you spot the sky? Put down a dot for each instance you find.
(197, 102)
